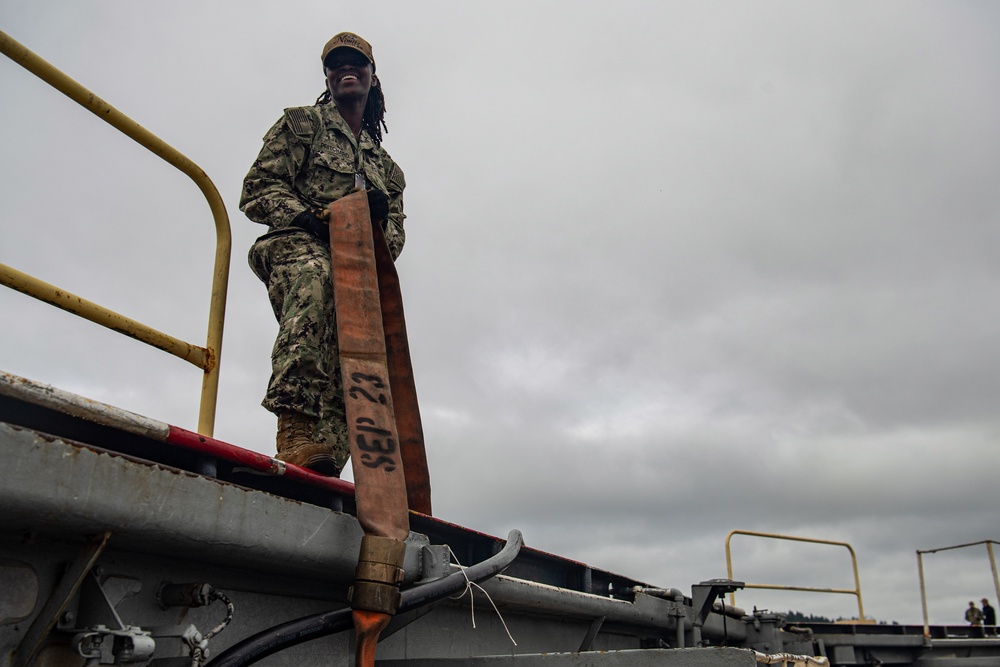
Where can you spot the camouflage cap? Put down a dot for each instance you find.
(350, 41)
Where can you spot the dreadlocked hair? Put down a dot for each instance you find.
(374, 117)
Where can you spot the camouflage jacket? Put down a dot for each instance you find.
(308, 160)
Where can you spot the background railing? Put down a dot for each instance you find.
(856, 591)
(920, 568)
(207, 358)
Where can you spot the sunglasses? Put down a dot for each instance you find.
(352, 58)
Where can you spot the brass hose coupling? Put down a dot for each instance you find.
(378, 575)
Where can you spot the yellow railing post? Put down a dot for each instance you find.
(856, 591)
(206, 358)
(920, 567)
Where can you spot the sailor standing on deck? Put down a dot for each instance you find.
(312, 156)
(989, 616)
(974, 618)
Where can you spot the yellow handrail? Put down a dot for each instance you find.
(206, 358)
(856, 591)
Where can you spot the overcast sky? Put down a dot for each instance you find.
(672, 268)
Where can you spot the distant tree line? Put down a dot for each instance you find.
(799, 617)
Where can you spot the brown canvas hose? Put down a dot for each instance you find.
(383, 418)
(404, 391)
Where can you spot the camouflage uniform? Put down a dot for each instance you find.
(309, 159)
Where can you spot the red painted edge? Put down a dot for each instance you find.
(190, 440)
(255, 460)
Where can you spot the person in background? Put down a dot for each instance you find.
(311, 157)
(989, 617)
(975, 618)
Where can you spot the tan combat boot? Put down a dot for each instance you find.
(296, 445)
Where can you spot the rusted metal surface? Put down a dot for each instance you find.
(162, 510)
(64, 402)
(67, 403)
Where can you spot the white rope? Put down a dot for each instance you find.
(472, 598)
(785, 658)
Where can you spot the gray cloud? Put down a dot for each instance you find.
(671, 269)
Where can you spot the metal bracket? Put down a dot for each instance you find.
(34, 639)
(435, 562)
(703, 596)
(588, 640)
(112, 647)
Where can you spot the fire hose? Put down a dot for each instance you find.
(383, 419)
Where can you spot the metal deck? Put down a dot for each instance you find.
(102, 508)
